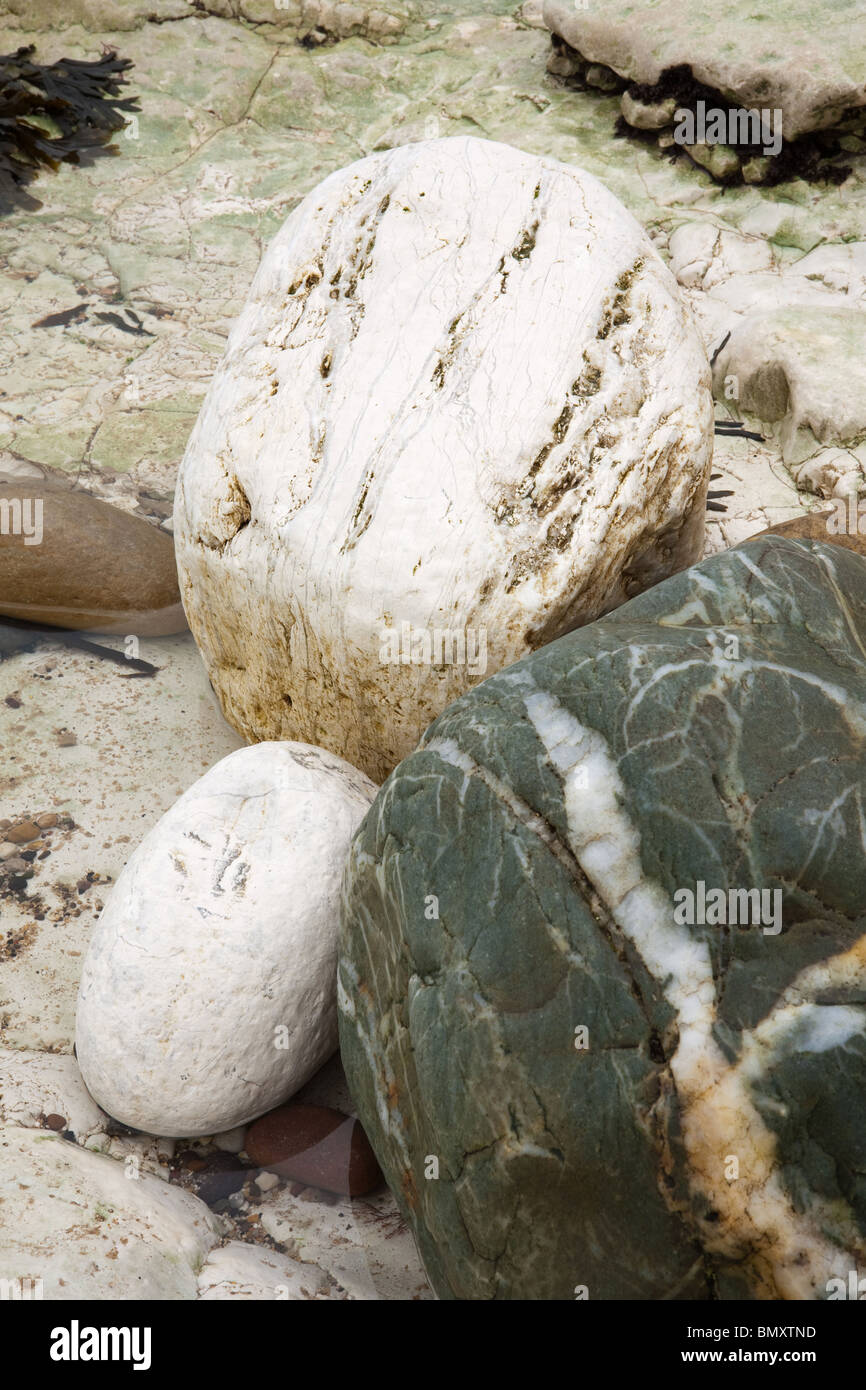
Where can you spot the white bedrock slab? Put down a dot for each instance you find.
(90, 1227)
(249, 1272)
(208, 994)
(463, 411)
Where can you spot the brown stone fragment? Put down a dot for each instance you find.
(93, 567)
(317, 1146)
(814, 527)
(22, 834)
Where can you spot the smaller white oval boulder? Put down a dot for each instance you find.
(208, 994)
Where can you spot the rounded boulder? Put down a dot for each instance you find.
(207, 995)
(602, 963)
(463, 411)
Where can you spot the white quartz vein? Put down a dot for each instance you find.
(789, 1251)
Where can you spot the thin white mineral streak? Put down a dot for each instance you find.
(787, 1249)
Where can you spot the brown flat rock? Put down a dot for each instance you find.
(70, 560)
(818, 526)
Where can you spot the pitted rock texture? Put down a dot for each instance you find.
(463, 399)
(618, 1101)
(207, 995)
(796, 55)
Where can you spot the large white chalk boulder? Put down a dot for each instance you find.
(208, 994)
(462, 412)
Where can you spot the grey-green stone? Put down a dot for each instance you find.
(558, 1167)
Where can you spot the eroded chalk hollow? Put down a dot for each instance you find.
(462, 412)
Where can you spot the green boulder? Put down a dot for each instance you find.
(603, 964)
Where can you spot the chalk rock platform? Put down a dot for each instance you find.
(135, 1237)
(792, 54)
(801, 367)
(572, 1079)
(463, 402)
(207, 994)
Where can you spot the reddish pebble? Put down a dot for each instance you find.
(57, 1122)
(317, 1146)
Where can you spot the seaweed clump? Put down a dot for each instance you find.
(50, 113)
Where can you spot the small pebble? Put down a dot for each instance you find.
(57, 1122)
(46, 820)
(232, 1141)
(21, 834)
(193, 1162)
(266, 1181)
